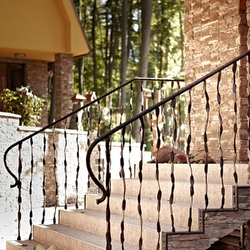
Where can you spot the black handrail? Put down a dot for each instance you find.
(144, 112)
(17, 182)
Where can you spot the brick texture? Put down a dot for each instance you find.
(64, 84)
(215, 33)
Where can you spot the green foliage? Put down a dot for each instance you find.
(102, 22)
(24, 103)
(166, 50)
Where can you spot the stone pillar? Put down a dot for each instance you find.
(63, 85)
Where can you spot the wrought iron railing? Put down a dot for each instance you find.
(231, 74)
(39, 151)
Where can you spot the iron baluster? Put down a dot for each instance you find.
(139, 208)
(54, 170)
(65, 166)
(19, 186)
(30, 188)
(78, 162)
(44, 179)
(188, 160)
(235, 121)
(88, 137)
(130, 128)
(171, 199)
(219, 139)
(207, 108)
(98, 146)
(108, 177)
(179, 117)
(122, 175)
(159, 193)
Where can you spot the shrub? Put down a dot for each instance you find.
(23, 102)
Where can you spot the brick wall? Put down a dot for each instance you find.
(216, 32)
(37, 78)
(64, 84)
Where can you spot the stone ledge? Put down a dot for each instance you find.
(9, 115)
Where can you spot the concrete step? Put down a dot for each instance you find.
(181, 192)
(182, 172)
(149, 210)
(95, 222)
(67, 238)
(23, 245)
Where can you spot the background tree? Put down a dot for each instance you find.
(146, 14)
(116, 30)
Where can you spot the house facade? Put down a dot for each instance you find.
(215, 33)
(36, 37)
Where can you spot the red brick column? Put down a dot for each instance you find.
(63, 85)
(37, 78)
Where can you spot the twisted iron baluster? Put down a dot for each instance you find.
(189, 162)
(108, 233)
(88, 137)
(179, 117)
(205, 141)
(235, 121)
(19, 186)
(159, 194)
(54, 169)
(30, 189)
(171, 199)
(44, 178)
(130, 129)
(98, 146)
(110, 126)
(219, 140)
(122, 174)
(162, 113)
(151, 120)
(140, 179)
(65, 166)
(78, 162)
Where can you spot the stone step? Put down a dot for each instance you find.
(181, 191)
(65, 237)
(95, 222)
(23, 245)
(149, 210)
(182, 172)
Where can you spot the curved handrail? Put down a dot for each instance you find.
(144, 112)
(17, 182)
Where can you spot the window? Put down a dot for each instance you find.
(11, 77)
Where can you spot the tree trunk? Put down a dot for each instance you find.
(124, 52)
(144, 51)
(94, 12)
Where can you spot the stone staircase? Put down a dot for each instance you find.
(86, 228)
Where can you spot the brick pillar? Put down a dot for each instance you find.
(37, 78)
(63, 85)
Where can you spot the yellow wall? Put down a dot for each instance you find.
(40, 29)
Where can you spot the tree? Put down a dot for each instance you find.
(125, 44)
(124, 51)
(146, 14)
